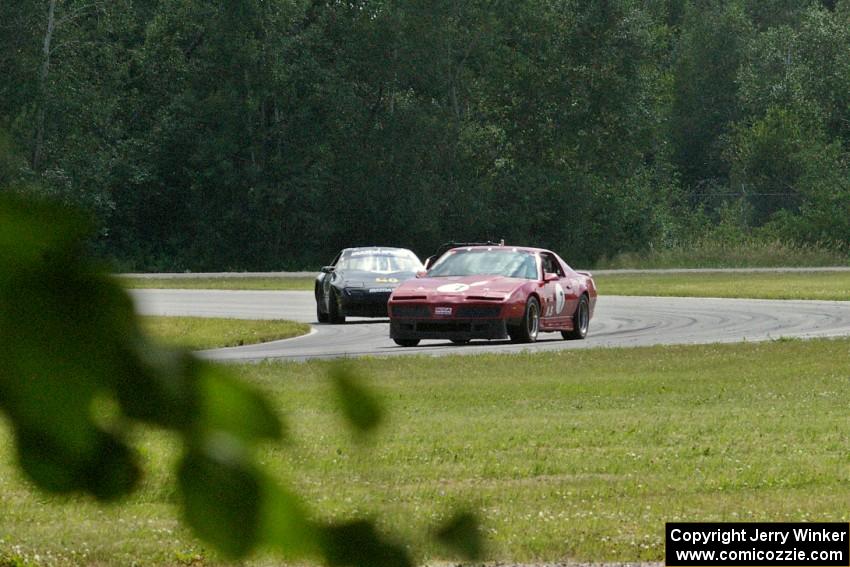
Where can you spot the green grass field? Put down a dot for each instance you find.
(219, 283)
(577, 455)
(757, 285)
(208, 332)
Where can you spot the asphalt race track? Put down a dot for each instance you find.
(618, 322)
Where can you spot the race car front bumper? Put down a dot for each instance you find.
(363, 303)
(458, 329)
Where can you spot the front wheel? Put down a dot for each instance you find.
(406, 342)
(527, 330)
(581, 321)
(322, 317)
(334, 315)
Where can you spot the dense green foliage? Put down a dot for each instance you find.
(267, 134)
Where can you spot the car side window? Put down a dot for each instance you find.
(551, 265)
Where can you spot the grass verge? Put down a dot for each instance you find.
(246, 283)
(204, 332)
(580, 455)
(758, 285)
(718, 252)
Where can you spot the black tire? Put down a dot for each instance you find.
(334, 315)
(406, 342)
(322, 317)
(460, 341)
(529, 328)
(581, 321)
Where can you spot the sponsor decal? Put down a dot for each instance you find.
(453, 288)
(560, 298)
(380, 290)
(376, 252)
(442, 311)
(386, 280)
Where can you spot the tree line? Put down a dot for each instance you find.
(267, 134)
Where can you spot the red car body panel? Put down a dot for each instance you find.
(486, 306)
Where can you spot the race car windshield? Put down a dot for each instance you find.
(506, 263)
(380, 263)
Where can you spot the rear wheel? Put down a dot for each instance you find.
(581, 321)
(406, 342)
(334, 312)
(527, 330)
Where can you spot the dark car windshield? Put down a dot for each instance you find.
(490, 262)
(382, 263)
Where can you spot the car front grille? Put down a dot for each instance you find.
(420, 311)
(411, 311)
(478, 311)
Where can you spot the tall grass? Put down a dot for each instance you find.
(721, 253)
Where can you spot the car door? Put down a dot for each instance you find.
(560, 294)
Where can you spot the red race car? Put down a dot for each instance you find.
(493, 292)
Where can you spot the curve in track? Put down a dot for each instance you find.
(618, 322)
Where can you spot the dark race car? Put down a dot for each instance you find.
(359, 281)
(493, 292)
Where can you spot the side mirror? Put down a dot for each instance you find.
(327, 269)
(421, 274)
(547, 277)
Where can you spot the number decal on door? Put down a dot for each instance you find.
(560, 298)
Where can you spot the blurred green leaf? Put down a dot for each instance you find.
(64, 329)
(221, 497)
(283, 522)
(48, 462)
(358, 544)
(107, 469)
(461, 534)
(159, 385)
(34, 233)
(360, 407)
(232, 406)
(114, 470)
